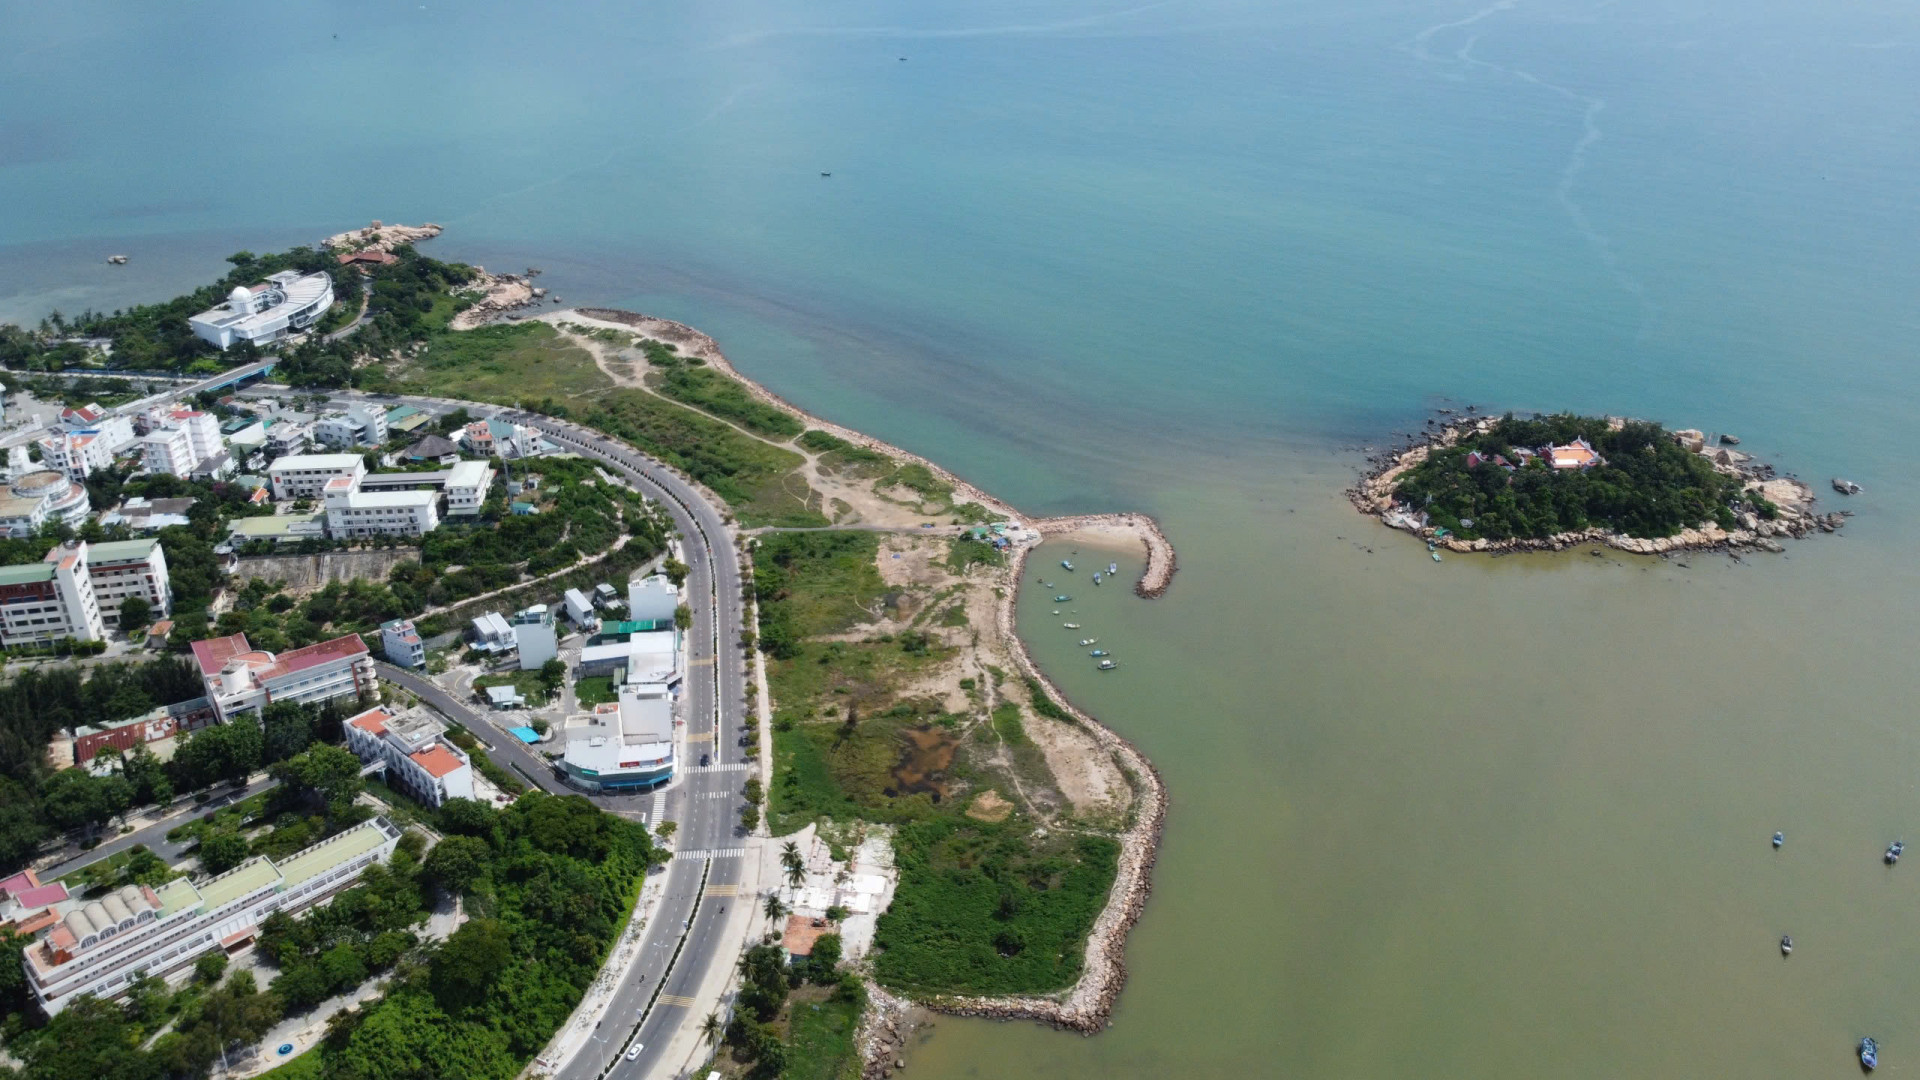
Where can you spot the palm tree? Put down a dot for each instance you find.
(774, 907)
(790, 855)
(711, 1028)
(796, 876)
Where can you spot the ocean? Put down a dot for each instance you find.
(1486, 818)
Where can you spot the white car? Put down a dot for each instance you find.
(634, 1054)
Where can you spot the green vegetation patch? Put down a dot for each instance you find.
(966, 552)
(837, 454)
(920, 480)
(813, 583)
(727, 398)
(990, 909)
(503, 362)
(754, 477)
(820, 1028)
(595, 691)
(1647, 486)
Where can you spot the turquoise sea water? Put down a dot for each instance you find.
(1487, 818)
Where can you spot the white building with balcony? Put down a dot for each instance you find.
(239, 678)
(286, 303)
(352, 512)
(402, 644)
(468, 483)
(100, 946)
(305, 476)
(417, 759)
(358, 425)
(121, 568)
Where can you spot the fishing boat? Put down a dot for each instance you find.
(1096, 578)
(1113, 569)
(1108, 665)
(1869, 1054)
(1893, 852)
(1778, 839)
(1436, 556)
(1099, 653)
(1084, 642)
(1786, 944)
(1066, 564)
(1071, 625)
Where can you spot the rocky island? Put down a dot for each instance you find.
(1480, 483)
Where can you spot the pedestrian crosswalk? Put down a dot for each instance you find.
(717, 768)
(656, 807)
(711, 853)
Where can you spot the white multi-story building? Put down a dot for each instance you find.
(77, 453)
(305, 476)
(286, 303)
(624, 745)
(169, 451)
(289, 437)
(352, 512)
(467, 485)
(122, 568)
(418, 760)
(41, 496)
(652, 599)
(50, 600)
(100, 946)
(240, 679)
(203, 429)
(534, 636)
(359, 425)
(402, 644)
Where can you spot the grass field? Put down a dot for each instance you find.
(505, 362)
(820, 1037)
(594, 691)
(707, 389)
(755, 478)
(527, 682)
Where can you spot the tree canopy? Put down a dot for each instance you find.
(1647, 486)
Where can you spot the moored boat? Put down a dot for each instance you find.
(1096, 578)
(1786, 944)
(1778, 839)
(1893, 852)
(1062, 599)
(1108, 665)
(1084, 642)
(1869, 1054)
(1071, 625)
(1113, 569)
(1066, 564)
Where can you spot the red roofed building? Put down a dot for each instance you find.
(417, 758)
(369, 257)
(240, 679)
(1578, 454)
(26, 906)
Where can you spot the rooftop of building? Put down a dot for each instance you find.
(124, 550)
(297, 291)
(469, 474)
(267, 528)
(293, 462)
(431, 448)
(437, 760)
(254, 874)
(337, 849)
(373, 721)
(26, 573)
(386, 500)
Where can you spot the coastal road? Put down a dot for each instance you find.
(504, 750)
(700, 917)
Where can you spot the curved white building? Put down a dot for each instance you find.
(285, 303)
(59, 497)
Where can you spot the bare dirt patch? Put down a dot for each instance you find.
(989, 806)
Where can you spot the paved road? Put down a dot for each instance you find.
(155, 835)
(706, 801)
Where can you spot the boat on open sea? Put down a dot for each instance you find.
(1062, 599)
(1869, 1054)
(1786, 944)
(1108, 665)
(1071, 625)
(1096, 577)
(1113, 569)
(1893, 852)
(1097, 653)
(1778, 839)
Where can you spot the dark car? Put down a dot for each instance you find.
(704, 758)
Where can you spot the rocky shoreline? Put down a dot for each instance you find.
(1795, 519)
(1087, 1005)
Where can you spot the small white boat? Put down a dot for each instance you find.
(1071, 625)
(1084, 642)
(1096, 579)
(1113, 569)
(1108, 665)
(1066, 564)
(1778, 839)
(1436, 556)
(1098, 653)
